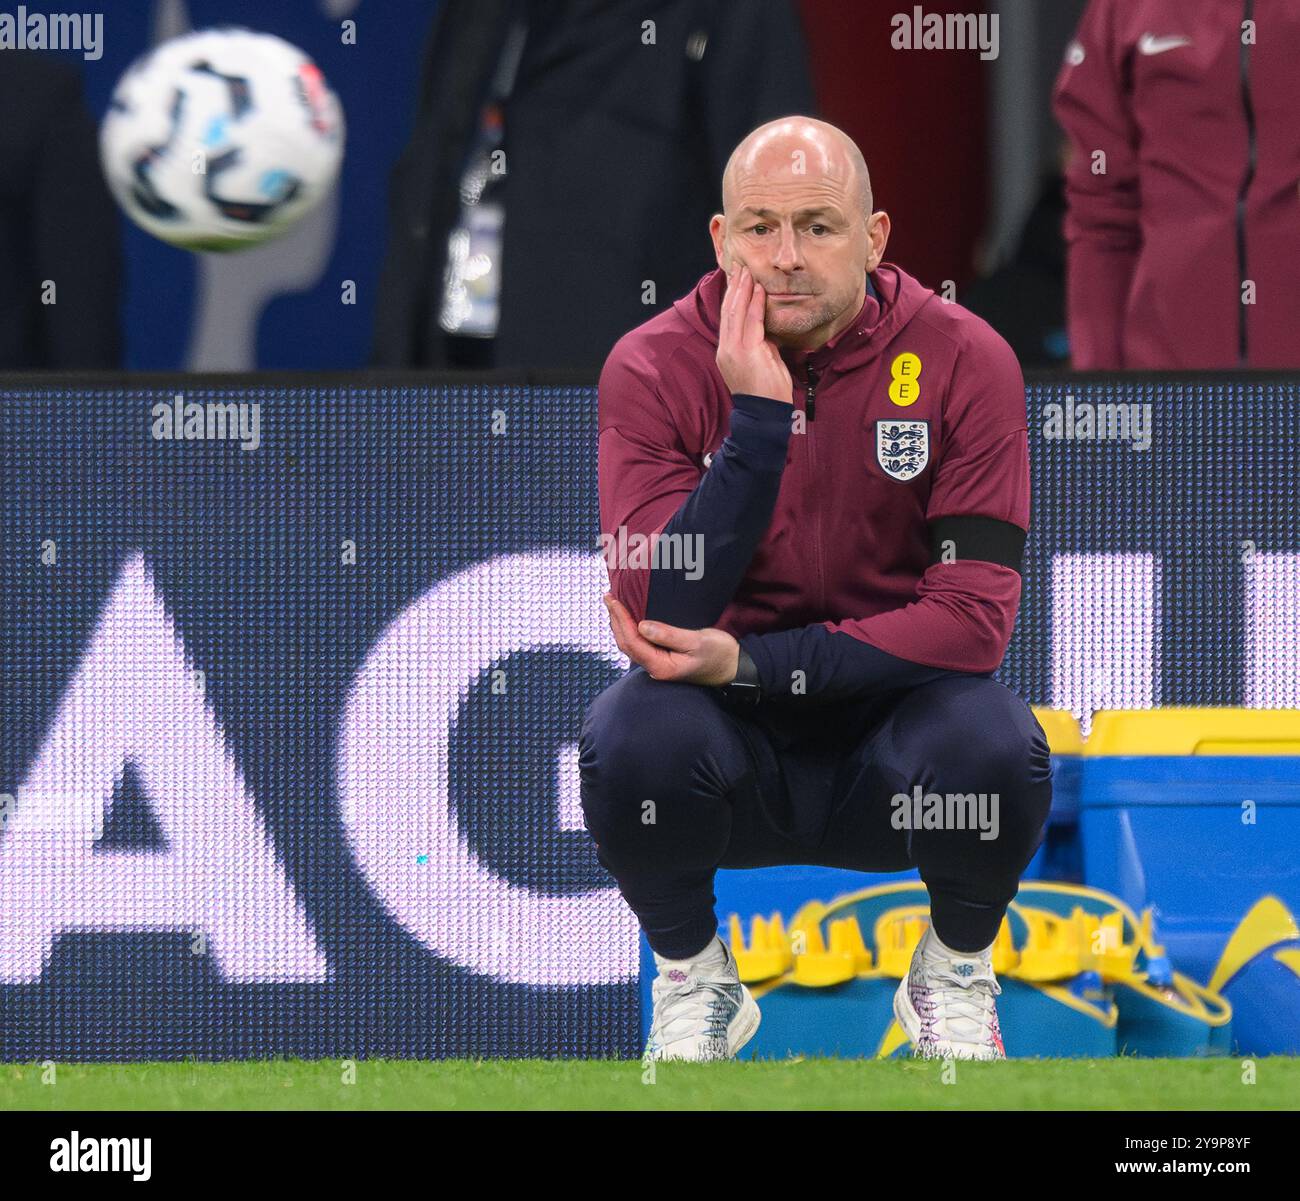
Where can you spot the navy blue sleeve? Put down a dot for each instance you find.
(817, 665)
(721, 523)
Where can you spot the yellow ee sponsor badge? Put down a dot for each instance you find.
(905, 374)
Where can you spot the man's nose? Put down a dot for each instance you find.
(789, 254)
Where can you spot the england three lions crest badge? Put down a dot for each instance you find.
(903, 448)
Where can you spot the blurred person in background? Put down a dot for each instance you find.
(563, 156)
(1024, 299)
(60, 258)
(1183, 188)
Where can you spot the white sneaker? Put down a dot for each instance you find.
(701, 1009)
(947, 1003)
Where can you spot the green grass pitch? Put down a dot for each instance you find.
(1158, 1084)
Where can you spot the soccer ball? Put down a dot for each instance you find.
(221, 139)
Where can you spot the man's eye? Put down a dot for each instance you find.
(758, 229)
(816, 228)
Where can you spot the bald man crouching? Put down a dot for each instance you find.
(831, 465)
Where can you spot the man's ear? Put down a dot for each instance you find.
(717, 229)
(878, 228)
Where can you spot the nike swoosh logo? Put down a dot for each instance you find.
(1150, 44)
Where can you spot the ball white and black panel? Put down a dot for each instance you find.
(221, 139)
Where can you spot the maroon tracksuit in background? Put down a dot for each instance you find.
(1194, 105)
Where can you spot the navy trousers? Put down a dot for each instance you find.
(677, 782)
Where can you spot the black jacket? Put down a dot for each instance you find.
(58, 222)
(614, 157)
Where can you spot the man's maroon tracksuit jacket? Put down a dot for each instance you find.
(862, 544)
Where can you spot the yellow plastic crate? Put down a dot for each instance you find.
(1063, 735)
(1194, 731)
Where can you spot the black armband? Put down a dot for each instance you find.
(983, 538)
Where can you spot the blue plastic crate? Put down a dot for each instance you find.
(1172, 832)
(1060, 856)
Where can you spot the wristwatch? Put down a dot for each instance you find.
(744, 690)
